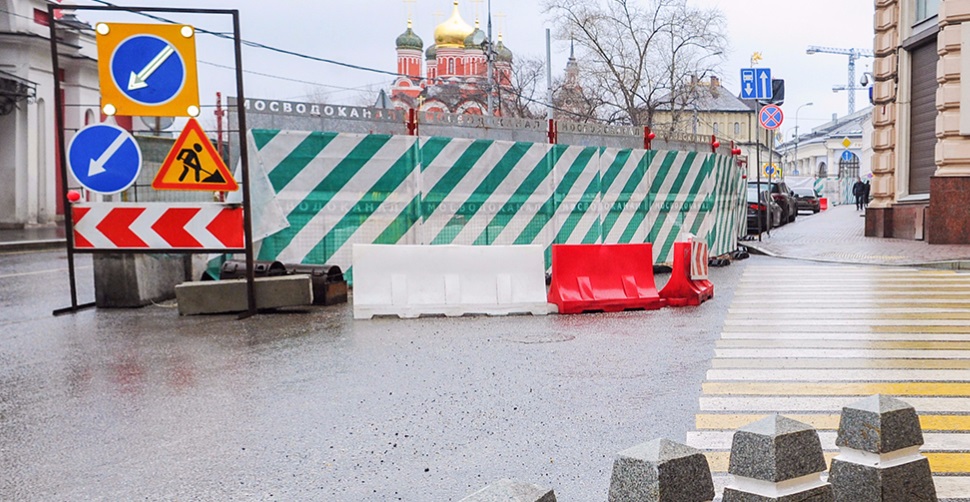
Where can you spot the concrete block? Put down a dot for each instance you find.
(136, 280)
(879, 461)
(777, 459)
(220, 297)
(661, 471)
(508, 490)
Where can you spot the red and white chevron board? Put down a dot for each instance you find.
(698, 260)
(158, 226)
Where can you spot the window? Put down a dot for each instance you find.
(926, 9)
(737, 129)
(715, 128)
(451, 66)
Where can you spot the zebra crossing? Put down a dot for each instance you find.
(806, 340)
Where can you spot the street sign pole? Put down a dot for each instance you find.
(62, 167)
(757, 149)
(244, 164)
(188, 111)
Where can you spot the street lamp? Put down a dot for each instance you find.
(796, 131)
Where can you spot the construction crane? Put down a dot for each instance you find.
(853, 55)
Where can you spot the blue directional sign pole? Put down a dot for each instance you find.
(104, 158)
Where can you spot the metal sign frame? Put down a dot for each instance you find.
(62, 152)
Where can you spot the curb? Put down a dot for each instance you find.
(38, 245)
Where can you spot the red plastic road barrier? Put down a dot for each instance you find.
(688, 284)
(603, 277)
(823, 203)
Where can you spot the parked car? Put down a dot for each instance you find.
(783, 196)
(763, 212)
(806, 199)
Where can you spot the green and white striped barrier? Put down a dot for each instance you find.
(317, 193)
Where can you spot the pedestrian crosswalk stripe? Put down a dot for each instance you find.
(838, 364)
(940, 462)
(885, 328)
(732, 421)
(825, 303)
(845, 344)
(882, 321)
(837, 389)
(831, 404)
(862, 310)
(937, 442)
(838, 335)
(864, 375)
(841, 353)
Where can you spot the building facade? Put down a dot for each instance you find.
(713, 110)
(29, 192)
(921, 122)
(833, 155)
(454, 76)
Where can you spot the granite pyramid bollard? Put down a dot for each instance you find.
(777, 459)
(879, 460)
(661, 471)
(509, 490)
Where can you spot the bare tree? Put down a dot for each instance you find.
(526, 96)
(639, 57)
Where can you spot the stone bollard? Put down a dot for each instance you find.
(508, 490)
(879, 461)
(661, 471)
(777, 459)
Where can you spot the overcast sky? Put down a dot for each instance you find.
(362, 32)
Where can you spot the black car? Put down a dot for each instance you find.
(783, 195)
(763, 213)
(807, 200)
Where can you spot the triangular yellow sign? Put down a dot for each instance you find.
(194, 164)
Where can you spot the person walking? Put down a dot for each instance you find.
(865, 195)
(857, 188)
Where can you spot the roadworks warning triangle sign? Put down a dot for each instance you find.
(194, 164)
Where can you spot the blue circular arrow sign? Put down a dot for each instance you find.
(104, 158)
(148, 70)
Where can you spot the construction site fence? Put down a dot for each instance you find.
(316, 194)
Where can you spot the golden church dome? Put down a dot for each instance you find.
(452, 32)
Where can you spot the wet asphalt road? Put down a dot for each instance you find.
(145, 405)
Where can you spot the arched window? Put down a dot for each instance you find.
(823, 170)
(451, 66)
(737, 129)
(715, 128)
(848, 166)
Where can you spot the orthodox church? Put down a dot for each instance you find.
(451, 75)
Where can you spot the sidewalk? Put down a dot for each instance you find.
(48, 237)
(838, 235)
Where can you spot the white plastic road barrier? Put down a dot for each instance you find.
(411, 280)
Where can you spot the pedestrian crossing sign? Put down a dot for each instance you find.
(194, 164)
